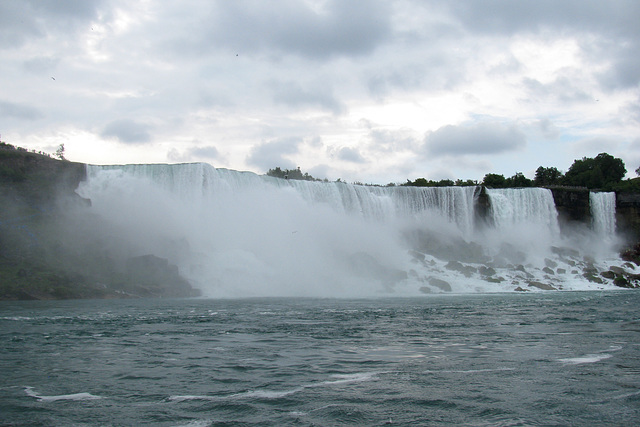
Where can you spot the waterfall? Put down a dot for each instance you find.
(241, 234)
(196, 182)
(603, 213)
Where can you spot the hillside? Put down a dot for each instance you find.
(47, 248)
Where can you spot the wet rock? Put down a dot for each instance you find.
(512, 254)
(519, 289)
(622, 282)
(568, 252)
(149, 275)
(487, 271)
(440, 284)
(592, 277)
(467, 270)
(608, 274)
(550, 263)
(618, 270)
(445, 247)
(417, 256)
(548, 270)
(540, 285)
(425, 290)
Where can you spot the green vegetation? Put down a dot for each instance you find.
(604, 172)
(291, 174)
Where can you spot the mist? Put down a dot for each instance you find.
(237, 234)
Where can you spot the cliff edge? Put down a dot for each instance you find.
(47, 248)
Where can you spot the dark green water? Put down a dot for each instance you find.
(506, 359)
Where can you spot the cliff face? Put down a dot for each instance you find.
(50, 244)
(38, 180)
(572, 204)
(628, 215)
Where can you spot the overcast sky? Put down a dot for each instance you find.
(365, 91)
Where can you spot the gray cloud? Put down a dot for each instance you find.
(175, 65)
(271, 154)
(208, 152)
(127, 131)
(22, 20)
(392, 141)
(505, 16)
(476, 138)
(293, 95)
(204, 153)
(607, 31)
(341, 27)
(562, 89)
(19, 111)
(350, 155)
(625, 65)
(40, 64)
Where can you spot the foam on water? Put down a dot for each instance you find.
(238, 234)
(589, 358)
(340, 379)
(74, 396)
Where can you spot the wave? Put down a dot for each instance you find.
(74, 396)
(340, 379)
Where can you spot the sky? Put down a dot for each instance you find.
(365, 91)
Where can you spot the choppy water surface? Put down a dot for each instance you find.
(507, 359)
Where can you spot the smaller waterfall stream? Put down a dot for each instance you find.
(603, 213)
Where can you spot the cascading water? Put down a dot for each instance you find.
(240, 234)
(525, 215)
(603, 213)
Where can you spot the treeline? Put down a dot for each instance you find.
(58, 155)
(292, 174)
(604, 172)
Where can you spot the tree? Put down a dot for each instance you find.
(290, 174)
(60, 152)
(494, 180)
(547, 176)
(518, 180)
(600, 172)
(638, 171)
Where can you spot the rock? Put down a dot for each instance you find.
(487, 271)
(618, 270)
(608, 274)
(425, 290)
(561, 271)
(569, 252)
(467, 270)
(519, 289)
(512, 254)
(592, 277)
(540, 285)
(150, 275)
(622, 282)
(548, 270)
(550, 263)
(440, 284)
(417, 256)
(444, 246)
(632, 254)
